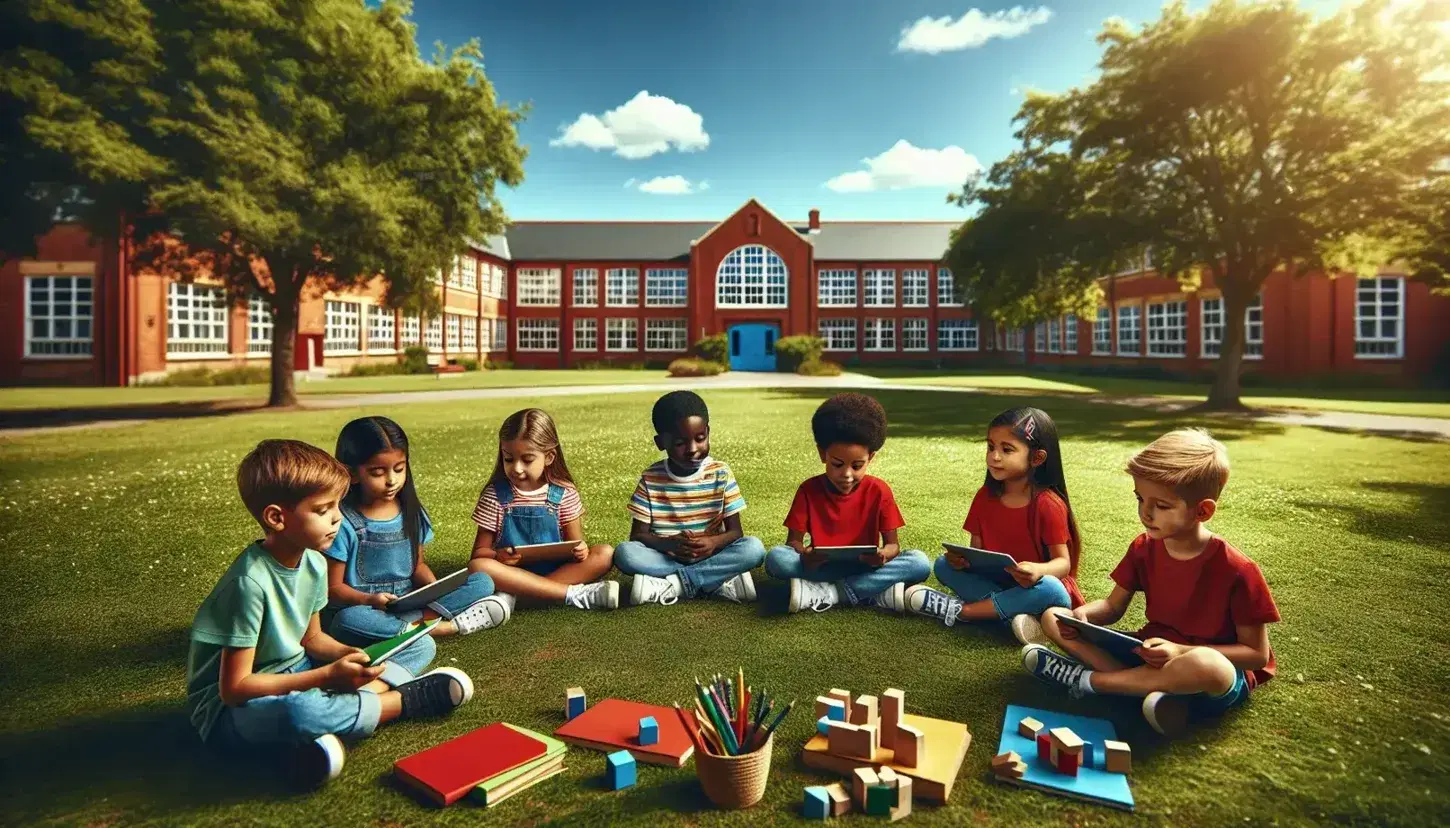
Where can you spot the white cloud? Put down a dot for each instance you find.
(671, 185)
(905, 166)
(934, 35)
(643, 126)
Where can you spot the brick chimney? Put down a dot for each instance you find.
(815, 223)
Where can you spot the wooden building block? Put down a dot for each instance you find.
(1044, 748)
(831, 708)
(840, 799)
(861, 779)
(1002, 760)
(887, 775)
(843, 696)
(864, 711)
(1016, 770)
(910, 746)
(1028, 727)
(574, 702)
(873, 732)
(893, 704)
(817, 803)
(903, 799)
(880, 799)
(851, 741)
(619, 770)
(1065, 761)
(1064, 739)
(823, 726)
(1117, 757)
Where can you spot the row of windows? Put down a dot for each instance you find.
(619, 335)
(880, 334)
(1167, 329)
(343, 331)
(471, 274)
(838, 287)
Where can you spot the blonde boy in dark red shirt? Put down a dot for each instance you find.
(1205, 645)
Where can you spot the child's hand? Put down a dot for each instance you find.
(1158, 651)
(699, 547)
(508, 556)
(1026, 573)
(1070, 633)
(879, 558)
(956, 561)
(380, 600)
(350, 672)
(581, 552)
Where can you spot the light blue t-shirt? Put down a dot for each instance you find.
(345, 546)
(257, 603)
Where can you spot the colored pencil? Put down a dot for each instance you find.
(717, 745)
(689, 731)
(716, 708)
(740, 714)
(765, 736)
(707, 709)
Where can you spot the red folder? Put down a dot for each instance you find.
(446, 772)
(613, 724)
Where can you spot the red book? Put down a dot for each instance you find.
(447, 772)
(613, 724)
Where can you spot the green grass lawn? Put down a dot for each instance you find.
(1406, 402)
(113, 537)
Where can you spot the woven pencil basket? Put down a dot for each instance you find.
(733, 782)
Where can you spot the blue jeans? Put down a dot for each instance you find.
(857, 581)
(303, 715)
(361, 622)
(634, 558)
(1009, 600)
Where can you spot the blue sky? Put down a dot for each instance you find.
(782, 100)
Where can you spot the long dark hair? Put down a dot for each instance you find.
(1037, 430)
(361, 440)
(535, 426)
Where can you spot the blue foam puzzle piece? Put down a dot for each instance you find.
(823, 725)
(1091, 783)
(619, 769)
(836, 712)
(817, 803)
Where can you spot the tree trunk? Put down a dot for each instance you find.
(1224, 395)
(286, 300)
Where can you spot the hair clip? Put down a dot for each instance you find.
(1029, 429)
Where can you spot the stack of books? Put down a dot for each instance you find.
(488, 765)
(496, 789)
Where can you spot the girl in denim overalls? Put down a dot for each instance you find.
(378, 553)
(532, 499)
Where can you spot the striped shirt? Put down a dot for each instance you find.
(489, 516)
(671, 505)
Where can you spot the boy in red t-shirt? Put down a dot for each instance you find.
(1206, 644)
(846, 507)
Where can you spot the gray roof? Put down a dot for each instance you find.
(884, 240)
(603, 240)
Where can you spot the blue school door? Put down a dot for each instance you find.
(752, 347)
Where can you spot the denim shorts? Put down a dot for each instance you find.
(1206, 706)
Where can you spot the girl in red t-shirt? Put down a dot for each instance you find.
(1022, 510)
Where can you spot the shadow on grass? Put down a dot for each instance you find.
(57, 417)
(1423, 519)
(155, 648)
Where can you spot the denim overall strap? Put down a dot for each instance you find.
(504, 493)
(525, 524)
(384, 559)
(354, 519)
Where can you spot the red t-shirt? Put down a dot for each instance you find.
(1198, 601)
(834, 519)
(1004, 529)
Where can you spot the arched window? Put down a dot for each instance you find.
(751, 276)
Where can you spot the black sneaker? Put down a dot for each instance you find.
(435, 693)
(314, 764)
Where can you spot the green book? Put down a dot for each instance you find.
(490, 789)
(384, 650)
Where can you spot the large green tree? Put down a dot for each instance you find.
(302, 145)
(1237, 141)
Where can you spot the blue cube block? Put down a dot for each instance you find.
(823, 725)
(619, 770)
(574, 702)
(836, 711)
(1090, 755)
(817, 803)
(649, 731)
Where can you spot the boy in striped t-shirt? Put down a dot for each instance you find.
(686, 539)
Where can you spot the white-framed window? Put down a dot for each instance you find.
(501, 334)
(946, 289)
(539, 287)
(380, 329)
(914, 334)
(259, 325)
(1379, 318)
(1039, 337)
(412, 331)
(470, 272)
(956, 335)
(879, 288)
(344, 327)
(586, 334)
(1168, 328)
(1069, 333)
(880, 334)
(538, 335)
(586, 287)
(836, 287)
(1211, 326)
(1103, 331)
(485, 335)
(621, 334)
(493, 279)
(1012, 339)
(666, 287)
(433, 334)
(470, 333)
(58, 316)
(455, 331)
(621, 287)
(666, 335)
(1054, 336)
(914, 288)
(751, 276)
(1130, 330)
(839, 334)
(196, 319)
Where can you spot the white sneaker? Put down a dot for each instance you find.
(599, 595)
(892, 599)
(647, 589)
(491, 612)
(316, 763)
(1027, 629)
(812, 595)
(933, 603)
(740, 589)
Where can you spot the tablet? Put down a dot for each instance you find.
(836, 554)
(384, 650)
(990, 564)
(428, 593)
(533, 552)
(1116, 644)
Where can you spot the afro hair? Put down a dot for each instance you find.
(854, 419)
(675, 406)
